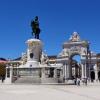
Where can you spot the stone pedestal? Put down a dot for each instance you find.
(34, 52)
(30, 70)
(34, 49)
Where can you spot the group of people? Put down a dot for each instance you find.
(78, 80)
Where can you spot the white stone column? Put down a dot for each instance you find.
(17, 70)
(65, 71)
(8, 80)
(96, 72)
(85, 70)
(82, 71)
(67, 67)
(55, 73)
(61, 73)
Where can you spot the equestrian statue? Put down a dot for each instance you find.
(35, 27)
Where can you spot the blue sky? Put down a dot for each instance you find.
(58, 20)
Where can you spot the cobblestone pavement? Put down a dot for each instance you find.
(50, 92)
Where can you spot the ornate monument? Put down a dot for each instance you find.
(75, 46)
(36, 67)
(35, 27)
(29, 69)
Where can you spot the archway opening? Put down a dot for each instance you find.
(75, 65)
(99, 76)
(92, 76)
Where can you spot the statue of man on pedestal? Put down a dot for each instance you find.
(35, 28)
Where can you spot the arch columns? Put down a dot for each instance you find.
(85, 70)
(9, 74)
(67, 71)
(82, 72)
(96, 72)
(68, 74)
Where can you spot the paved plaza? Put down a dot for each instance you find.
(50, 92)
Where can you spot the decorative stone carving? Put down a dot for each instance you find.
(83, 51)
(75, 37)
(65, 52)
(44, 58)
(24, 58)
(75, 49)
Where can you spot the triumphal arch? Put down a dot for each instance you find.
(75, 46)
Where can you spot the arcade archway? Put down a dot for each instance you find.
(75, 64)
(99, 75)
(92, 76)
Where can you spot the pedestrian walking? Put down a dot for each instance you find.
(75, 81)
(86, 81)
(78, 81)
